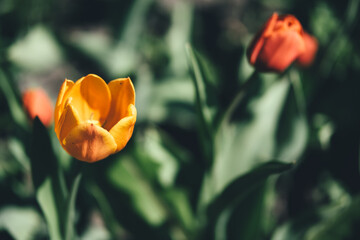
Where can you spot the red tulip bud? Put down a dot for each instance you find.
(37, 103)
(278, 44)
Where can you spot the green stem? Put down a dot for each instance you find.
(111, 223)
(69, 220)
(298, 90)
(236, 100)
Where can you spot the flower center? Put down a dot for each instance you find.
(91, 120)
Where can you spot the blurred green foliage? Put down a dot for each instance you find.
(219, 151)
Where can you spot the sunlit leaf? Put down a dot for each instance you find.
(238, 192)
(249, 138)
(21, 222)
(126, 176)
(70, 211)
(179, 34)
(38, 51)
(179, 202)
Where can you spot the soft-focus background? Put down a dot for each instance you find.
(180, 177)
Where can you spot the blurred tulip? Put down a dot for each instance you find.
(311, 47)
(277, 45)
(37, 103)
(93, 119)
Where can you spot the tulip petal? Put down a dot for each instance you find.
(89, 142)
(280, 50)
(90, 96)
(59, 106)
(122, 95)
(68, 120)
(122, 131)
(311, 46)
(258, 41)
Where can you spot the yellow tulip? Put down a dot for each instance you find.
(94, 119)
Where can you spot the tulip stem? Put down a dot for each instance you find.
(295, 81)
(69, 231)
(236, 100)
(106, 210)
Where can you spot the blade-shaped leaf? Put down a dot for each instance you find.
(15, 108)
(126, 176)
(70, 213)
(205, 100)
(202, 87)
(244, 183)
(51, 192)
(248, 138)
(239, 190)
(243, 219)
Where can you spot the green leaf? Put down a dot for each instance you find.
(292, 128)
(107, 212)
(245, 183)
(38, 51)
(205, 101)
(21, 222)
(243, 219)
(48, 180)
(179, 202)
(238, 192)
(45, 195)
(336, 220)
(128, 177)
(337, 225)
(10, 93)
(179, 33)
(155, 157)
(123, 57)
(248, 138)
(70, 213)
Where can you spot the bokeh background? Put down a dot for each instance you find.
(176, 179)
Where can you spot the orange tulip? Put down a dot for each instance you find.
(278, 44)
(94, 119)
(37, 103)
(311, 47)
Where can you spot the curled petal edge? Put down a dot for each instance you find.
(123, 130)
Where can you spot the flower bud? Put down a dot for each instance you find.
(277, 45)
(37, 103)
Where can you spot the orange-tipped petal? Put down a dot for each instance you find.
(59, 106)
(122, 95)
(89, 142)
(90, 96)
(122, 131)
(68, 120)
